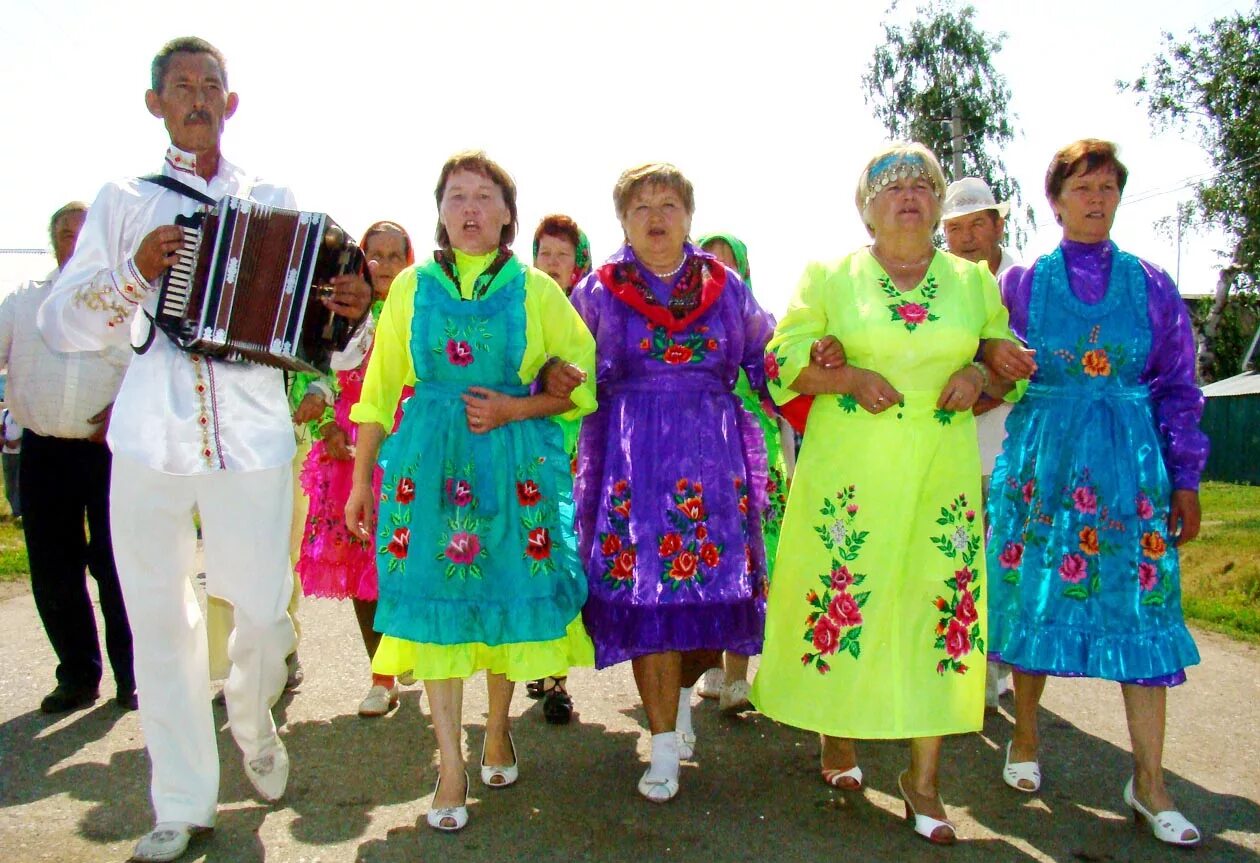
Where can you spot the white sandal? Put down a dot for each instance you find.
(686, 745)
(1169, 826)
(496, 776)
(457, 815)
(845, 780)
(1021, 771)
(656, 790)
(167, 841)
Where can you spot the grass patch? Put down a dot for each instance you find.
(1220, 571)
(13, 565)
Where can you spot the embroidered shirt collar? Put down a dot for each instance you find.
(182, 165)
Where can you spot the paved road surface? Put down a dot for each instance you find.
(75, 788)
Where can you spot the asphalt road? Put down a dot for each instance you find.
(75, 788)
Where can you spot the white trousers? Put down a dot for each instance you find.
(245, 521)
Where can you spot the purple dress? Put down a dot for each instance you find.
(671, 469)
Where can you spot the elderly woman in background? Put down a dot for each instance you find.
(562, 251)
(1097, 485)
(729, 684)
(671, 470)
(875, 624)
(474, 537)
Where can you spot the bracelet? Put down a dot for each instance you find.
(984, 373)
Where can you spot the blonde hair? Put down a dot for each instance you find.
(898, 160)
(652, 174)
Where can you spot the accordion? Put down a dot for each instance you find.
(246, 285)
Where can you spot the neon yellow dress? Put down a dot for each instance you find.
(475, 547)
(875, 624)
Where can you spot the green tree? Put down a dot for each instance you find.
(934, 81)
(1209, 84)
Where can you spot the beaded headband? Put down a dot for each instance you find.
(894, 167)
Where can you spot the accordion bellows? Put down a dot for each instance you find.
(247, 285)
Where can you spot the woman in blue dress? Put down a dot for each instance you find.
(474, 535)
(1097, 484)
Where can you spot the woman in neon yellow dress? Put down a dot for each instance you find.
(875, 626)
(474, 535)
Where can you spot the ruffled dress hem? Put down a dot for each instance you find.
(626, 632)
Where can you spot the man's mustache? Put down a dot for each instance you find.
(199, 115)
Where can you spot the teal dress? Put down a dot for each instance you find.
(475, 531)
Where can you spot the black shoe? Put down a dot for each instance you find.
(535, 688)
(127, 700)
(557, 705)
(65, 698)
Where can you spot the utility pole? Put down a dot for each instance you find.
(956, 130)
(1180, 213)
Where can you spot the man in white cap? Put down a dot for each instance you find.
(974, 223)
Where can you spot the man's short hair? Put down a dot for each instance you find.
(183, 45)
(72, 207)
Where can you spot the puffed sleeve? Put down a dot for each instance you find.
(554, 328)
(389, 368)
(787, 352)
(1170, 373)
(1016, 290)
(997, 321)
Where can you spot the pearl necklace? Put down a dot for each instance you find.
(665, 277)
(913, 265)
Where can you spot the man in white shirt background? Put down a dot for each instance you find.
(974, 223)
(63, 401)
(190, 432)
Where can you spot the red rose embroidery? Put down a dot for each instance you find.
(702, 533)
(459, 492)
(620, 486)
(844, 610)
(670, 543)
(677, 355)
(709, 554)
(459, 353)
(772, 367)
(841, 577)
(743, 504)
(463, 547)
(957, 639)
(912, 313)
(623, 509)
(1029, 489)
(1144, 509)
(826, 635)
(965, 611)
(1085, 500)
(623, 566)
(399, 542)
(1012, 555)
(527, 493)
(644, 344)
(1148, 575)
(684, 566)
(611, 544)
(964, 577)
(711, 344)
(539, 547)
(406, 491)
(1073, 568)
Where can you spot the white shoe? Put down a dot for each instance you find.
(167, 841)
(734, 697)
(1021, 771)
(448, 819)
(1169, 826)
(686, 745)
(660, 790)
(269, 772)
(711, 684)
(379, 700)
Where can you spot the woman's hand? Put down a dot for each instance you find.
(336, 442)
(486, 409)
(361, 511)
(309, 409)
(1008, 360)
(1184, 516)
(827, 353)
(870, 389)
(961, 390)
(559, 378)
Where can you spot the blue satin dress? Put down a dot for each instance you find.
(1085, 580)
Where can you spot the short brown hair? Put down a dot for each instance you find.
(477, 162)
(1093, 153)
(390, 228)
(62, 212)
(558, 225)
(652, 174)
(183, 45)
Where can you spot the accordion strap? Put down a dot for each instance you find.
(176, 186)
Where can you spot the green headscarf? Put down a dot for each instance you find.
(740, 250)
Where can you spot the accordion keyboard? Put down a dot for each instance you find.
(178, 282)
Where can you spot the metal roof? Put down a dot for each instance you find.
(1245, 384)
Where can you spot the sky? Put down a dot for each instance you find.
(759, 103)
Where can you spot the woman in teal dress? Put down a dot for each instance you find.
(474, 534)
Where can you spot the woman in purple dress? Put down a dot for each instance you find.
(671, 469)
